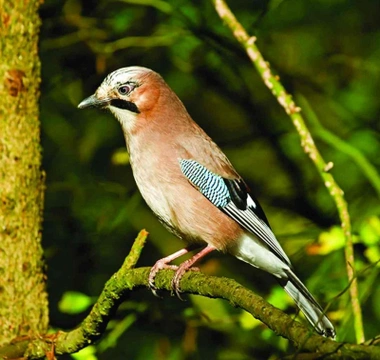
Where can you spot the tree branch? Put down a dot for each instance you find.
(293, 111)
(127, 279)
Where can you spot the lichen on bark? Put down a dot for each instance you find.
(23, 298)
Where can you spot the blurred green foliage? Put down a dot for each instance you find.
(74, 302)
(326, 53)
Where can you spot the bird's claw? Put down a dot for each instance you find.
(159, 265)
(175, 283)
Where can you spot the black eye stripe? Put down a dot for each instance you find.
(125, 105)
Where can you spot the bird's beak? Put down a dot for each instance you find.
(92, 101)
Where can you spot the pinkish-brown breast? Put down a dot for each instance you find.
(163, 136)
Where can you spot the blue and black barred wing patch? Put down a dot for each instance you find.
(233, 199)
(211, 185)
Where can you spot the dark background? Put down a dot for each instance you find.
(326, 54)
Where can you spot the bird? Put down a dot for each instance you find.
(192, 187)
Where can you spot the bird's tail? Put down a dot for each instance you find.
(308, 305)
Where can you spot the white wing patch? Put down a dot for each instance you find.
(250, 202)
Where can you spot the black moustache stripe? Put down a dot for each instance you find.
(125, 105)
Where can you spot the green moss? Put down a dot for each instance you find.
(23, 308)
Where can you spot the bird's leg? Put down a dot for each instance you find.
(164, 264)
(185, 266)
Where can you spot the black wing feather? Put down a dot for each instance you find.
(249, 220)
(239, 192)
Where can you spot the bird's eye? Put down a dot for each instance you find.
(125, 89)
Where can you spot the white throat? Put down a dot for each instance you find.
(126, 118)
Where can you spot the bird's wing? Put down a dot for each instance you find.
(233, 198)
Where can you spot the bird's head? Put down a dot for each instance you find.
(127, 92)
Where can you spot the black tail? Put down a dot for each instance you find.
(308, 305)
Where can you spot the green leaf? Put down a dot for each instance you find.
(373, 254)
(212, 312)
(74, 302)
(370, 231)
(247, 321)
(120, 157)
(87, 353)
(279, 298)
(328, 242)
(118, 329)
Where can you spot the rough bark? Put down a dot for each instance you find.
(23, 298)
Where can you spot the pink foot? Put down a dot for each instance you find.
(159, 265)
(180, 270)
(164, 264)
(187, 265)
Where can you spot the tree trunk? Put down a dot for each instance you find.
(23, 298)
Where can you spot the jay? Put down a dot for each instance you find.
(191, 186)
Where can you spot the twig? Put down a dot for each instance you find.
(137, 247)
(127, 280)
(308, 145)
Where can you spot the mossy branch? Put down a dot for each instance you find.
(128, 279)
(274, 85)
